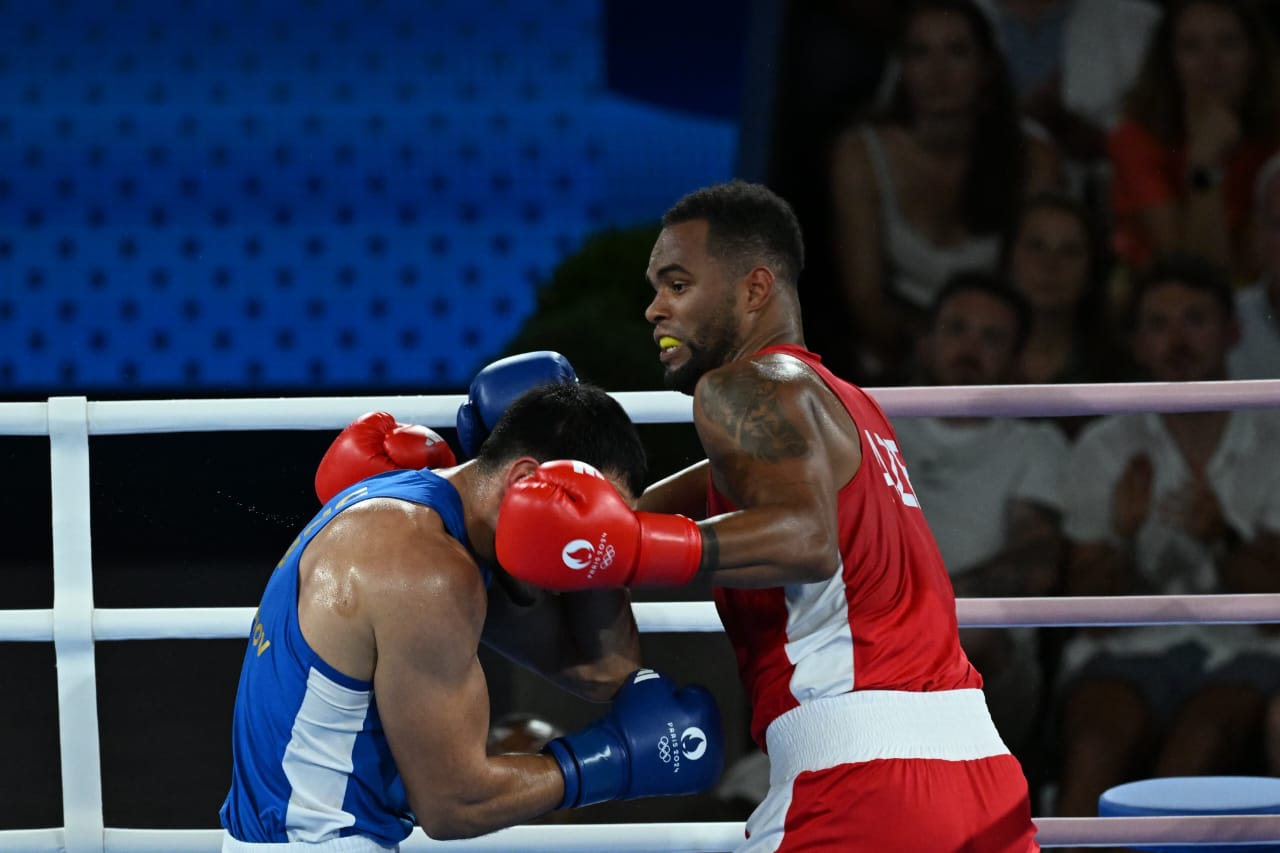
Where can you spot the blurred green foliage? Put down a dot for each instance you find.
(591, 311)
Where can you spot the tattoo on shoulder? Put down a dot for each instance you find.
(748, 408)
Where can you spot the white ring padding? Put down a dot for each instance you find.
(24, 419)
(26, 626)
(135, 417)
(33, 840)
(704, 837)
(73, 639)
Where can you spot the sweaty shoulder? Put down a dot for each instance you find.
(401, 554)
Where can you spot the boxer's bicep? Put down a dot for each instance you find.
(762, 436)
(431, 692)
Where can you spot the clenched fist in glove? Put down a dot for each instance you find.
(374, 444)
(565, 527)
(655, 740)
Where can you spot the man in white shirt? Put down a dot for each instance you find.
(1177, 503)
(989, 488)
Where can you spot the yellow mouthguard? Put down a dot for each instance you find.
(668, 341)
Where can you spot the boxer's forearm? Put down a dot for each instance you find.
(767, 547)
(606, 638)
(509, 790)
(683, 493)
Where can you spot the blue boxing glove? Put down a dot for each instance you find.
(655, 740)
(497, 385)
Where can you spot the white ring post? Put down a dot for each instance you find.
(73, 625)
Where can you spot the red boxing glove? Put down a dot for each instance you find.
(567, 528)
(373, 444)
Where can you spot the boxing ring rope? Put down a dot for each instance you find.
(73, 624)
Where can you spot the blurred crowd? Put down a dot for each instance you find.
(1065, 191)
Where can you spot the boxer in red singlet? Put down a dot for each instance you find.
(828, 580)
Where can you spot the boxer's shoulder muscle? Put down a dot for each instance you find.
(397, 552)
(755, 406)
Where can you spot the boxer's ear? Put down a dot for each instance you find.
(758, 286)
(519, 470)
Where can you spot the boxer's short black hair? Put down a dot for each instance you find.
(746, 223)
(569, 421)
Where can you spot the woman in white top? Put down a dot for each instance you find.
(929, 187)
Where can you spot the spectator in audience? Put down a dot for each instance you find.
(1055, 259)
(1178, 503)
(1257, 356)
(1199, 122)
(989, 489)
(1072, 61)
(928, 187)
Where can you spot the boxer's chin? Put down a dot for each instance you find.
(684, 377)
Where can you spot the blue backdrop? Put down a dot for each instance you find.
(228, 196)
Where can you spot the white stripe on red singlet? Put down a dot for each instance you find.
(819, 637)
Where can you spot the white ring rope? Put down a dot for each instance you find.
(137, 417)
(222, 623)
(708, 837)
(73, 625)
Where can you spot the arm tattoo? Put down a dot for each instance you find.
(748, 409)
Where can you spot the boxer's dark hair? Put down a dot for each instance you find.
(569, 420)
(746, 223)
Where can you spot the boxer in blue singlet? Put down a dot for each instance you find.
(362, 709)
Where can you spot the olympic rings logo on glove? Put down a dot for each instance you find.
(664, 749)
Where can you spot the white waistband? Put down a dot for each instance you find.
(950, 725)
(349, 844)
